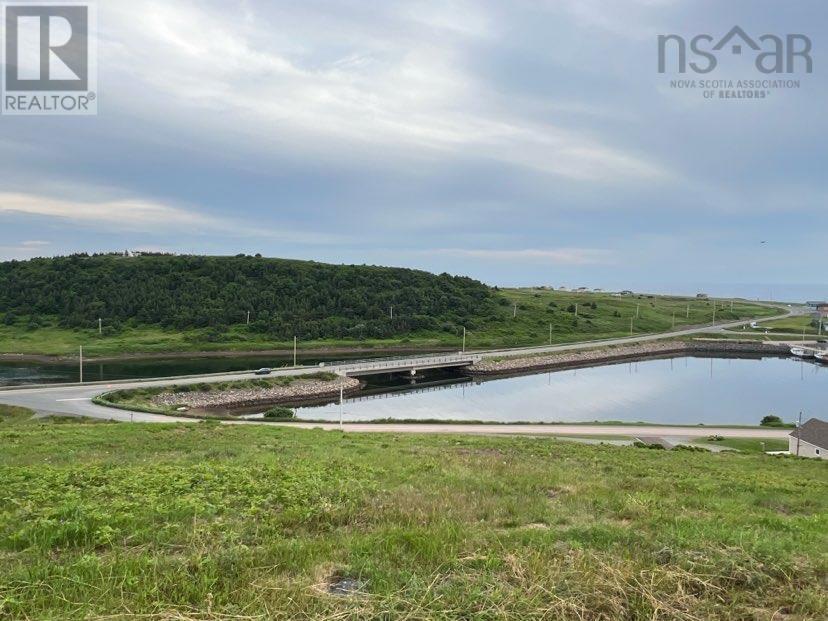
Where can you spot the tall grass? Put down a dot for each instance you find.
(208, 521)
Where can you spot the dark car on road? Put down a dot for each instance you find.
(264, 371)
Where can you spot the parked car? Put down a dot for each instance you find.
(264, 371)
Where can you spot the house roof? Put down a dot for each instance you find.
(814, 432)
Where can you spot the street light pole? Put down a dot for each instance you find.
(341, 405)
(514, 316)
(550, 333)
(81, 364)
(295, 341)
(464, 339)
(100, 326)
(631, 325)
(798, 433)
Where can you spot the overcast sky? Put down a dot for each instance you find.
(519, 142)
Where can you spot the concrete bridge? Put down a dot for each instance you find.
(405, 365)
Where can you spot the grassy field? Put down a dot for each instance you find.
(749, 445)
(207, 521)
(536, 311)
(792, 325)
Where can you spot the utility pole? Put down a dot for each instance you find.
(248, 318)
(803, 332)
(81, 364)
(100, 326)
(798, 433)
(392, 313)
(674, 321)
(688, 311)
(637, 311)
(714, 313)
(576, 309)
(631, 325)
(514, 316)
(295, 341)
(341, 405)
(464, 339)
(550, 333)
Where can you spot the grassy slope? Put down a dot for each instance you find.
(791, 325)
(749, 445)
(217, 522)
(531, 327)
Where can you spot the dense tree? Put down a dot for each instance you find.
(312, 300)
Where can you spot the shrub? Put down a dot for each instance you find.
(280, 412)
(771, 421)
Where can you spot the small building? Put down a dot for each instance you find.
(627, 292)
(820, 311)
(702, 296)
(811, 438)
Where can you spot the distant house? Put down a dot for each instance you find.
(702, 296)
(812, 439)
(627, 292)
(581, 289)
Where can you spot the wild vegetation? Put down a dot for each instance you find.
(216, 522)
(158, 304)
(284, 298)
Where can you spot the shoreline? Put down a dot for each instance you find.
(599, 357)
(258, 353)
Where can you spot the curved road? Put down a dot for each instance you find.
(76, 399)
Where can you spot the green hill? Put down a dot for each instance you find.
(284, 298)
(162, 303)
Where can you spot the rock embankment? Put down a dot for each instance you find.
(297, 391)
(613, 354)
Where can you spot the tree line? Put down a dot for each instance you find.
(284, 297)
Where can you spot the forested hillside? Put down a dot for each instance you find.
(285, 298)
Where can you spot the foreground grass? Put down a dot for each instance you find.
(537, 310)
(205, 521)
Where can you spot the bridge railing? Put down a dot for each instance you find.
(375, 364)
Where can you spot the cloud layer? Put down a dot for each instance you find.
(496, 139)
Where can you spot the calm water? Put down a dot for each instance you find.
(677, 391)
(18, 373)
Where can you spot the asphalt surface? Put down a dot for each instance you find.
(76, 399)
(677, 433)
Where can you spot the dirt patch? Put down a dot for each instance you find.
(556, 492)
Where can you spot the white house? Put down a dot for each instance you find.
(811, 440)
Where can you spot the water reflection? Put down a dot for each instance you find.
(672, 391)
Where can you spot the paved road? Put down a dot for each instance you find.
(681, 433)
(76, 400)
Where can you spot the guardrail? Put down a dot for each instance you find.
(378, 365)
